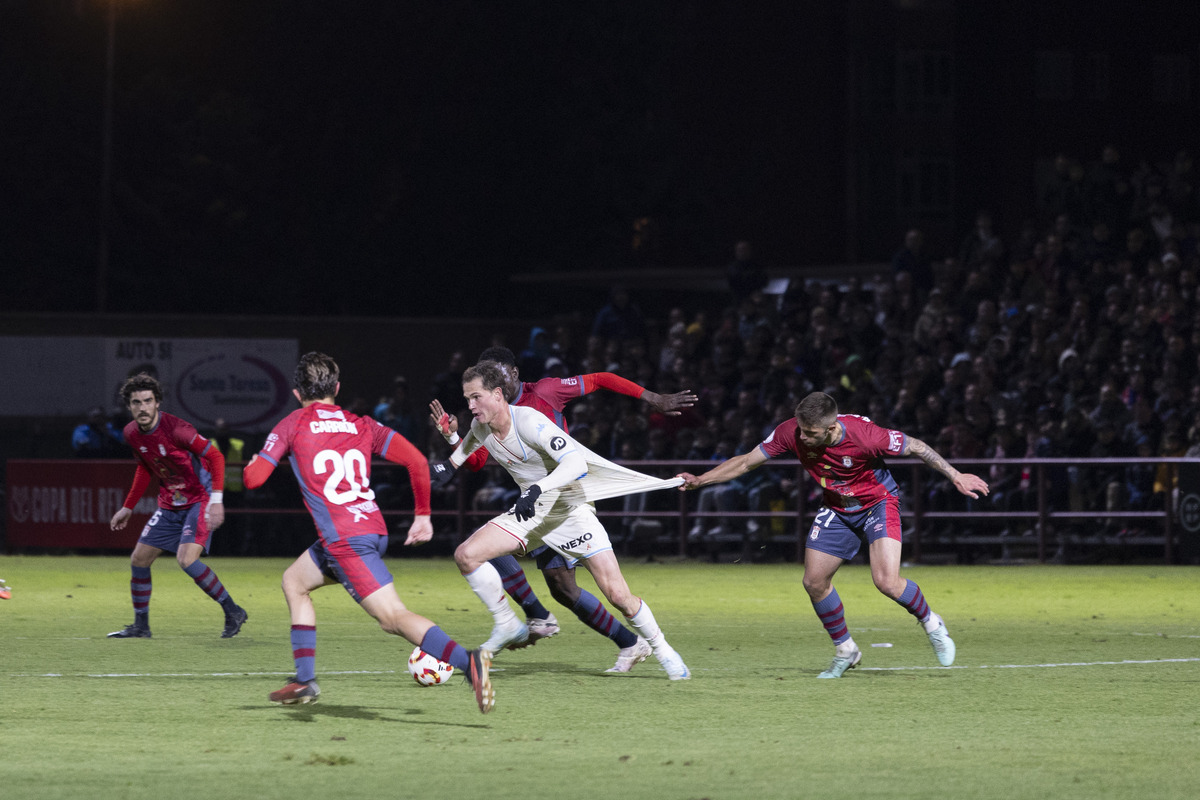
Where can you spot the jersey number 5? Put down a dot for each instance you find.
(351, 467)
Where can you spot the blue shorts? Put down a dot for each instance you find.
(171, 527)
(839, 533)
(355, 562)
(549, 559)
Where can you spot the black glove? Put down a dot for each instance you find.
(524, 508)
(441, 473)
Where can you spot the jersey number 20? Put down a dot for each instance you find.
(351, 467)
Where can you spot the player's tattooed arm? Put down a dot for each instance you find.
(919, 449)
(966, 483)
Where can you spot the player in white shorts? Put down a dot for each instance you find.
(559, 480)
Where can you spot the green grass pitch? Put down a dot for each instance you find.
(1071, 682)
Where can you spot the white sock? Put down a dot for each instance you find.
(846, 647)
(645, 624)
(485, 582)
(930, 625)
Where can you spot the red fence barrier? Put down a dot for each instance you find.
(68, 504)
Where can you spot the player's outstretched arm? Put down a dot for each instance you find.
(966, 483)
(725, 471)
(670, 404)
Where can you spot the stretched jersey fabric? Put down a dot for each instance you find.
(551, 395)
(851, 472)
(535, 447)
(330, 451)
(186, 464)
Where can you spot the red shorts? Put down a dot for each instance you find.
(355, 562)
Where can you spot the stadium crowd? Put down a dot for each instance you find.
(1076, 336)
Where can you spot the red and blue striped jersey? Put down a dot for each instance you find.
(330, 451)
(171, 453)
(851, 472)
(550, 396)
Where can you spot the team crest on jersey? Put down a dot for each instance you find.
(847, 461)
(162, 449)
(558, 443)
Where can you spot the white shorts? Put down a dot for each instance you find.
(573, 531)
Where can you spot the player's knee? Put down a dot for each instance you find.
(623, 599)
(817, 588)
(565, 595)
(393, 618)
(563, 588)
(462, 557)
(890, 585)
(292, 586)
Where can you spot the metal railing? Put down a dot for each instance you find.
(1050, 504)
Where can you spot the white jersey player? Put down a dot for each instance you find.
(559, 479)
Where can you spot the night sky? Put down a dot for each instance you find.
(300, 157)
(389, 158)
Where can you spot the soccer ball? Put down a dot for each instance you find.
(427, 670)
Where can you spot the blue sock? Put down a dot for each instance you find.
(139, 588)
(207, 580)
(833, 617)
(914, 601)
(304, 651)
(592, 613)
(518, 587)
(443, 648)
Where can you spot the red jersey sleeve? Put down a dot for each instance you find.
(188, 438)
(141, 482)
(214, 462)
(781, 441)
(555, 392)
(275, 449)
(875, 439)
(614, 383)
(477, 460)
(255, 473)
